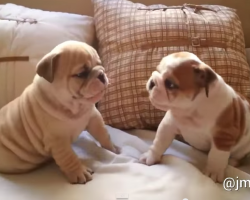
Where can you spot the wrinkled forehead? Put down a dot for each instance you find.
(177, 60)
(80, 56)
(179, 68)
(92, 56)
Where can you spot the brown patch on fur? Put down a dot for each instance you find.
(244, 99)
(191, 77)
(184, 75)
(230, 125)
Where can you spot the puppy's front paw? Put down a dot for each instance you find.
(217, 175)
(149, 158)
(80, 176)
(113, 148)
(116, 149)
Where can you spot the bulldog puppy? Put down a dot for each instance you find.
(201, 107)
(51, 113)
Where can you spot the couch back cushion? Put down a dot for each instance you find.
(85, 7)
(26, 36)
(133, 38)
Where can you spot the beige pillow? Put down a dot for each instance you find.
(26, 35)
(133, 38)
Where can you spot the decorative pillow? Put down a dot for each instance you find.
(248, 55)
(27, 35)
(133, 38)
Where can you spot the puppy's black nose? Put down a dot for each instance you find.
(101, 77)
(151, 85)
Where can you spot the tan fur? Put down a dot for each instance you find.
(50, 114)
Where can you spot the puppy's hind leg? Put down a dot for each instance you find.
(11, 164)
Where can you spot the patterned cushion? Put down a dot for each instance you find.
(133, 38)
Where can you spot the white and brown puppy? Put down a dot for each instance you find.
(201, 107)
(51, 113)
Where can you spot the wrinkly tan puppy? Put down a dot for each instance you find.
(52, 112)
(200, 106)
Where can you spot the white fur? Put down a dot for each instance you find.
(196, 131)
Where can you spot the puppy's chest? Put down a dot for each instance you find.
(196, 131)
(78, 126)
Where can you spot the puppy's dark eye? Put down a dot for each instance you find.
(170, 85)
(83, 74)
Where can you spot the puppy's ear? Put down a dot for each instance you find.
(203, 77)
(46, 67)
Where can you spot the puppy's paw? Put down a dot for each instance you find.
(216, 175)
(80, 176)
(117, 150)
(149, 158)
(113, 148)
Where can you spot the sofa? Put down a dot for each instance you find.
(179, 175)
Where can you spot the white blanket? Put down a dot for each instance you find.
(121, 175)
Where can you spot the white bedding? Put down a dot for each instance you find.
(178, 177)
(121, 175)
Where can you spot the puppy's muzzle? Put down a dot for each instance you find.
(154, 81)
(101, 77)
